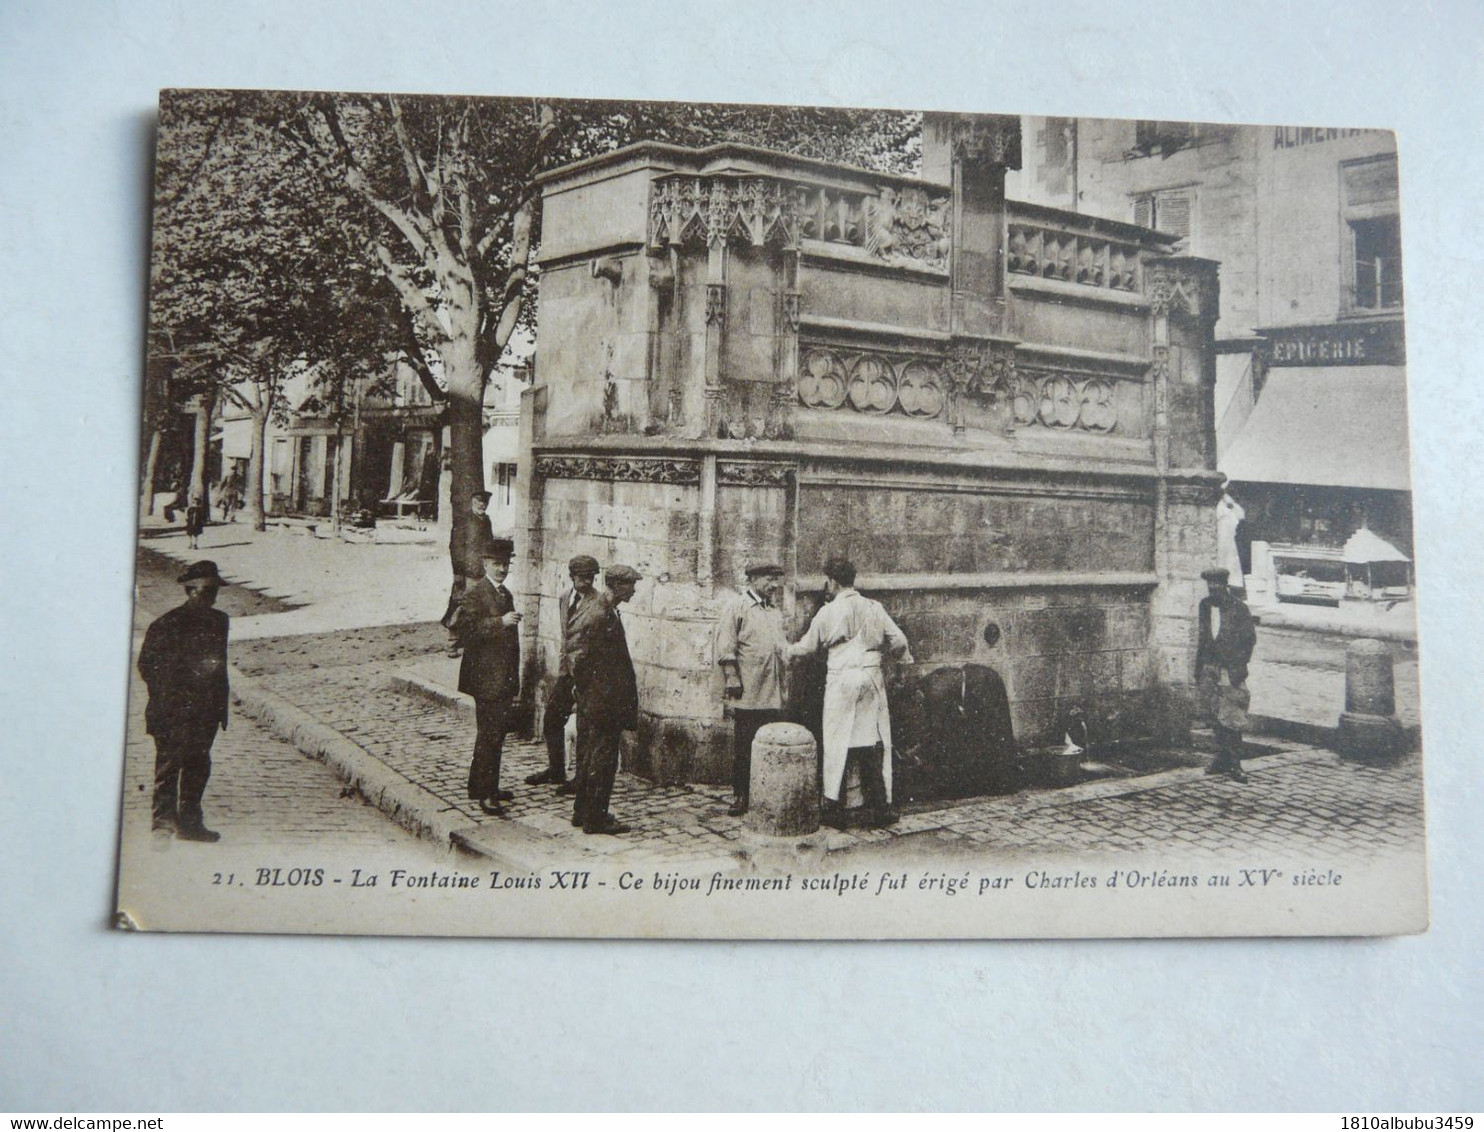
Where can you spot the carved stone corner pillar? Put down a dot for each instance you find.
(974, 151)
(786, 380)
(1183, 287)
(716, 322)
(978, 369)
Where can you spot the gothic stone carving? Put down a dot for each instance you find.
(749, 474)
(987, 139)
(625, 469)
(1065, 401)
(871, 383)
(710, 210)
(910, 224)
(895, 224)
(716, 304)
(1185, 286)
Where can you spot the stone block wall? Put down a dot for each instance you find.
(911, 531)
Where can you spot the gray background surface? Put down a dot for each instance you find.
(91, 1019)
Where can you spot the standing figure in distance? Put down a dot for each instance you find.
(582, 569)
(465, 552)
(607, 695)
(184, 665)
(1227, 639)
(488, 630)
(195, 521)
(751, 647)
(856, 631)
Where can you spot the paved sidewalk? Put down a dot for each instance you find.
(317, 584)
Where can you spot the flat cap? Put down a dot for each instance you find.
(486, 496)
(583, 564)
(203, 571)
(618, 572)
(1216, 574)
(764, 570)
(497, 547)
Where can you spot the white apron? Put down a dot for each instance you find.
(855, 630)
(855, 713)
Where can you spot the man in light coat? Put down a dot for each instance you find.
(750, 647)
(856, 632)
(560, 704)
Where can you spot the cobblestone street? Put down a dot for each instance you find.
(262, 791)
(1300, 799)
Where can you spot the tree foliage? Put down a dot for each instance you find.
(288, 224)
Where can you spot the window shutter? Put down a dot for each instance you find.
(1370, 182)
(1174, 215)
(1143, 208)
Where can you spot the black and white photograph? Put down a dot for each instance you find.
(632, 518)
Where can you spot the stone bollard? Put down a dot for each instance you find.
(783, 796)
(1369, 727)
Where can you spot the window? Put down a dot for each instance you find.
(1378, 263)
(1169, 210)
(505, 480)
(1373, 245)
(1163, 137)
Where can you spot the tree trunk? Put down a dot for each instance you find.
(198, 489)
(151, 462)
(255, 461)
(465, 380)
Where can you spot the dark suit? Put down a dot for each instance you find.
(607, 694)
(1228, 651)
(490, 673)
(184, 665)
(466, 551)
(560, 703)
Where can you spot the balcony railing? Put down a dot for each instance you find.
(1073, 257)
(898, 224)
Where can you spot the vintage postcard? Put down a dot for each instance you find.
(574, 518)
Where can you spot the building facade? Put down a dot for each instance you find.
(385, 449)
(1002, 412)
(1311, 388)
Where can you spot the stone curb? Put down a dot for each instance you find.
(1316, 734)
(1269, 618)
(411, 806)
(411, 684)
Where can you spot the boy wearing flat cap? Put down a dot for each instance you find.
(750, 647)
(184, 665)
(1228, 636)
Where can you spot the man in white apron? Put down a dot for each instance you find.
(856, 631)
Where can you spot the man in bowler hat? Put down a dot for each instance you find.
(184, 665)
(488, 630)
(607, 695)
(1227, 638)
(582, 569)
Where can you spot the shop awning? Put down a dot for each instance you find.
(1334, 426)
(1367, 546)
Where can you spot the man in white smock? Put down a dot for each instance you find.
(856, 631)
